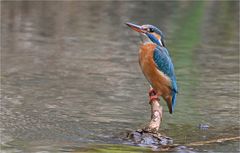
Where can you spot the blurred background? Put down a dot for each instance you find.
(70, 78)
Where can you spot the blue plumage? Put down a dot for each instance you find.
(164, 63)
(162, 60)
(156, 30)
(153, 39)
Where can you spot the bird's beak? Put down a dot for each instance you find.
(135, 27)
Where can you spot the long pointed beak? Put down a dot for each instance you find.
(135, 27)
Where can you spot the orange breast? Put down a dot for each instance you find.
(159, 81)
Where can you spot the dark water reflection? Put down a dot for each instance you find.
(70, 73)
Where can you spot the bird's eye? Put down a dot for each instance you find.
(151, 30)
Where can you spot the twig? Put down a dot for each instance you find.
(200, 143)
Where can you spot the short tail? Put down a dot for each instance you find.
(171, 102)
(174, 98)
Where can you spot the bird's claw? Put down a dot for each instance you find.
(152, 92)
(153, 96)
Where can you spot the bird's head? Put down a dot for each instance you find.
(149, 33)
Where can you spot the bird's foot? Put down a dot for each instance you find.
(152, 92)
(153, 98)
(153, 95)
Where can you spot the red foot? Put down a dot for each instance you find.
(153, 95)
(152, 92)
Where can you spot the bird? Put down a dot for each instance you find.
(156, 64)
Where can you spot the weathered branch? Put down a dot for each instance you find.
(156, 117)
(149, 135)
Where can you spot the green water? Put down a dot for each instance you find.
(70, 80)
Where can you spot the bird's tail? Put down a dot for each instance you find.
(171, 102)
(174, 98)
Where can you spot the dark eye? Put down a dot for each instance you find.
(151, 30)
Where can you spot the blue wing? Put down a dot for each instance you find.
(164, 63)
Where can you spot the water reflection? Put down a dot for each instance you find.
(71, 77)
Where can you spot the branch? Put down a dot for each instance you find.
(156, 117)
(200, 143)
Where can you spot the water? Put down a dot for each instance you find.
(70, 78)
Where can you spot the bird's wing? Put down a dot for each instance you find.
(164, 63)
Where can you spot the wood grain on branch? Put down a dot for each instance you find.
(156, 117)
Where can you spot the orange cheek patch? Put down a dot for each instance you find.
(157, 36)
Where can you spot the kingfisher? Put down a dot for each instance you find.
(156, 64)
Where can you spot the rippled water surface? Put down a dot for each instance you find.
(70, 78)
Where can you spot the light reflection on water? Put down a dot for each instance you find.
(71, 77)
